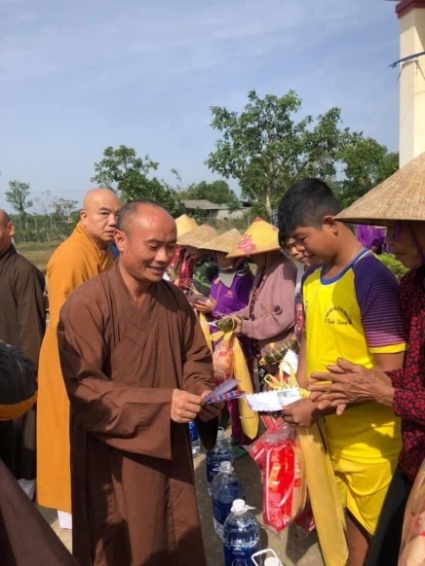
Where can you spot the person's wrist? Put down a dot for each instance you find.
(385, 395)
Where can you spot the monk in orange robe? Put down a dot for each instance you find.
(136, 368)
(79, 258)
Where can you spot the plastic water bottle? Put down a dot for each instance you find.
(241, 536)
(194, 439)
(225, 488)
(222, 452)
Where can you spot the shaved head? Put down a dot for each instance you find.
(99, 215)
(146, 239)
(7, 230)
(138, 213)
(94, 196)
(4, 218)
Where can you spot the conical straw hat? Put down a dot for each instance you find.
(224, 242)
(198, 236)
(185, 224)
(400, 197)
(261, 237)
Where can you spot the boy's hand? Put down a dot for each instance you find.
(301, 413)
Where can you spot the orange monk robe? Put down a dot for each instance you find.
(75, 261)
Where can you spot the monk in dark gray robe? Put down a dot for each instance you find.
(136, 369)
(22, 324)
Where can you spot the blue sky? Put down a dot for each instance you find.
(76, 77)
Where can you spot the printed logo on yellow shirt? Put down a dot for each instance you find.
(338, 316)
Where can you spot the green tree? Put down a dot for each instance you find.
(43, 203)
(265, 148)
(218, 192)
(365, 163)
(18, 197)
(124, 172)
(64, 208)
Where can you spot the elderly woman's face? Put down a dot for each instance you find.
(404, 239)
(296, 251)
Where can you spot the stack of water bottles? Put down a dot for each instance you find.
(233, 521)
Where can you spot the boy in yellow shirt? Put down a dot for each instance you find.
(351, 311)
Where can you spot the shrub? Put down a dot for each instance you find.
(392, 263)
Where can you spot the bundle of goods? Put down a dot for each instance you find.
(229, 362)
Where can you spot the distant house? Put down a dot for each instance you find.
(211, 211)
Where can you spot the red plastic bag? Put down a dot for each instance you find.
(305, 519)
(277, 433)
(278, 454)
(284, 488)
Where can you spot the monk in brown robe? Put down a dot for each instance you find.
(79, 258)
(22, 324)
(136, 368)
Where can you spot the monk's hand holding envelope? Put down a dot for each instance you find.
(185, 406)
(209, 411)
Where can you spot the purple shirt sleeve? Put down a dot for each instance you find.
(377, 294)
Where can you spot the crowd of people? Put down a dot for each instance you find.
(125, 362)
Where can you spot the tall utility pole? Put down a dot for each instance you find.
(411, 14)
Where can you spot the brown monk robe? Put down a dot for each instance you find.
(22, 324)
(130, 344)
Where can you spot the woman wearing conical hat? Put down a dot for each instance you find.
(181, 261)
(269, 316)
(202, 266)
(185, 224)
(230, 292)
(399, 204)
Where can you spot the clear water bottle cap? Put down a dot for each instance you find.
(220, 434)
(225, 466)
(272, 561)
(238, 506)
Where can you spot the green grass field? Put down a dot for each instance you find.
(38, 252)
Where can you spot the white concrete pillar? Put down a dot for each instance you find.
(411, 14)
